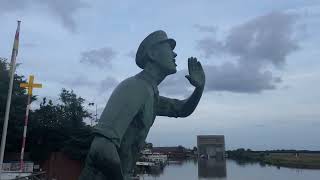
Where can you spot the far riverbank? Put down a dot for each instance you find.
(282, 158)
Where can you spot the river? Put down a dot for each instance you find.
(229, 170)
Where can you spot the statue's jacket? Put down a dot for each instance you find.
(132, 108)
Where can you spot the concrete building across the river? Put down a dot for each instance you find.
(211, 146)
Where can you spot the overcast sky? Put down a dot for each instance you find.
(261, 60)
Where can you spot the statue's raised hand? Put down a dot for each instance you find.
(196, 75)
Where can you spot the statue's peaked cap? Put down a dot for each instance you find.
(152, 39)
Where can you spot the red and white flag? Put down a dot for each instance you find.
(15, 47)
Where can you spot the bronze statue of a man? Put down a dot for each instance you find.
(131, 110)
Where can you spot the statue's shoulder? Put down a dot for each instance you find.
(132, 85)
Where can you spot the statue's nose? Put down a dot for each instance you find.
(174, 54)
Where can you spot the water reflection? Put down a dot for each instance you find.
(212, 168)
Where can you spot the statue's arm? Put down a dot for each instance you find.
(179, 108)
(183, 108)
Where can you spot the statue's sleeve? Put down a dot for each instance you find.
(169, 107)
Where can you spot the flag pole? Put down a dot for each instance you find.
(25, 133)
(30, 85)
(6, 117)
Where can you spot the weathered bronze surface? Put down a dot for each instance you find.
(133, 106)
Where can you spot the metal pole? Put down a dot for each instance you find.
(96, 113)
(6, 116)
(25, 133)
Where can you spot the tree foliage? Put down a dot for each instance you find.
(60, 127)
(17, 109)
(52, 127)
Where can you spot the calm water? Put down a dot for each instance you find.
(229, 170)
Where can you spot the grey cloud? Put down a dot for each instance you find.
(29, 45)
(64, 10)
(256, 44)
(175, 84)
(131, 54)
(267, 38)
(226, 77)
(260, 125)
(107, 84)
(239, 78)
(12, 5)
(210, 46)
(61, 9)
(83, 81)
(98, 57)
(203, 28)
(79, 81)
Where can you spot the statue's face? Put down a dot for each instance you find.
(164, 57)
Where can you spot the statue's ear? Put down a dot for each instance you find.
(151, 54)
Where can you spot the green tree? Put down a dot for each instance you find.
(181, 148)
(17, 108)
(47, 132)
(80, 135)
(195, 149)
(72, 108)
(52, 127)
(148, 145)
(60, 127)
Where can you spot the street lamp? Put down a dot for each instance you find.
(96, 115)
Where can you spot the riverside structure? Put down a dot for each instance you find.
(211, 146)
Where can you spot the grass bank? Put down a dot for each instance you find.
(283, 159)
(305, 161)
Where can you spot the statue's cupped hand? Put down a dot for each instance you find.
(196, 75)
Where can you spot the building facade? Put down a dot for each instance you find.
(211, 146)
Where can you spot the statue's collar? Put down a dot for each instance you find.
(149, 79)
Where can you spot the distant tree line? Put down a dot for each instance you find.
(285, 158)
(52, 127)
(250, 155)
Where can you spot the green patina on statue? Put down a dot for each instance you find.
(133, 106)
